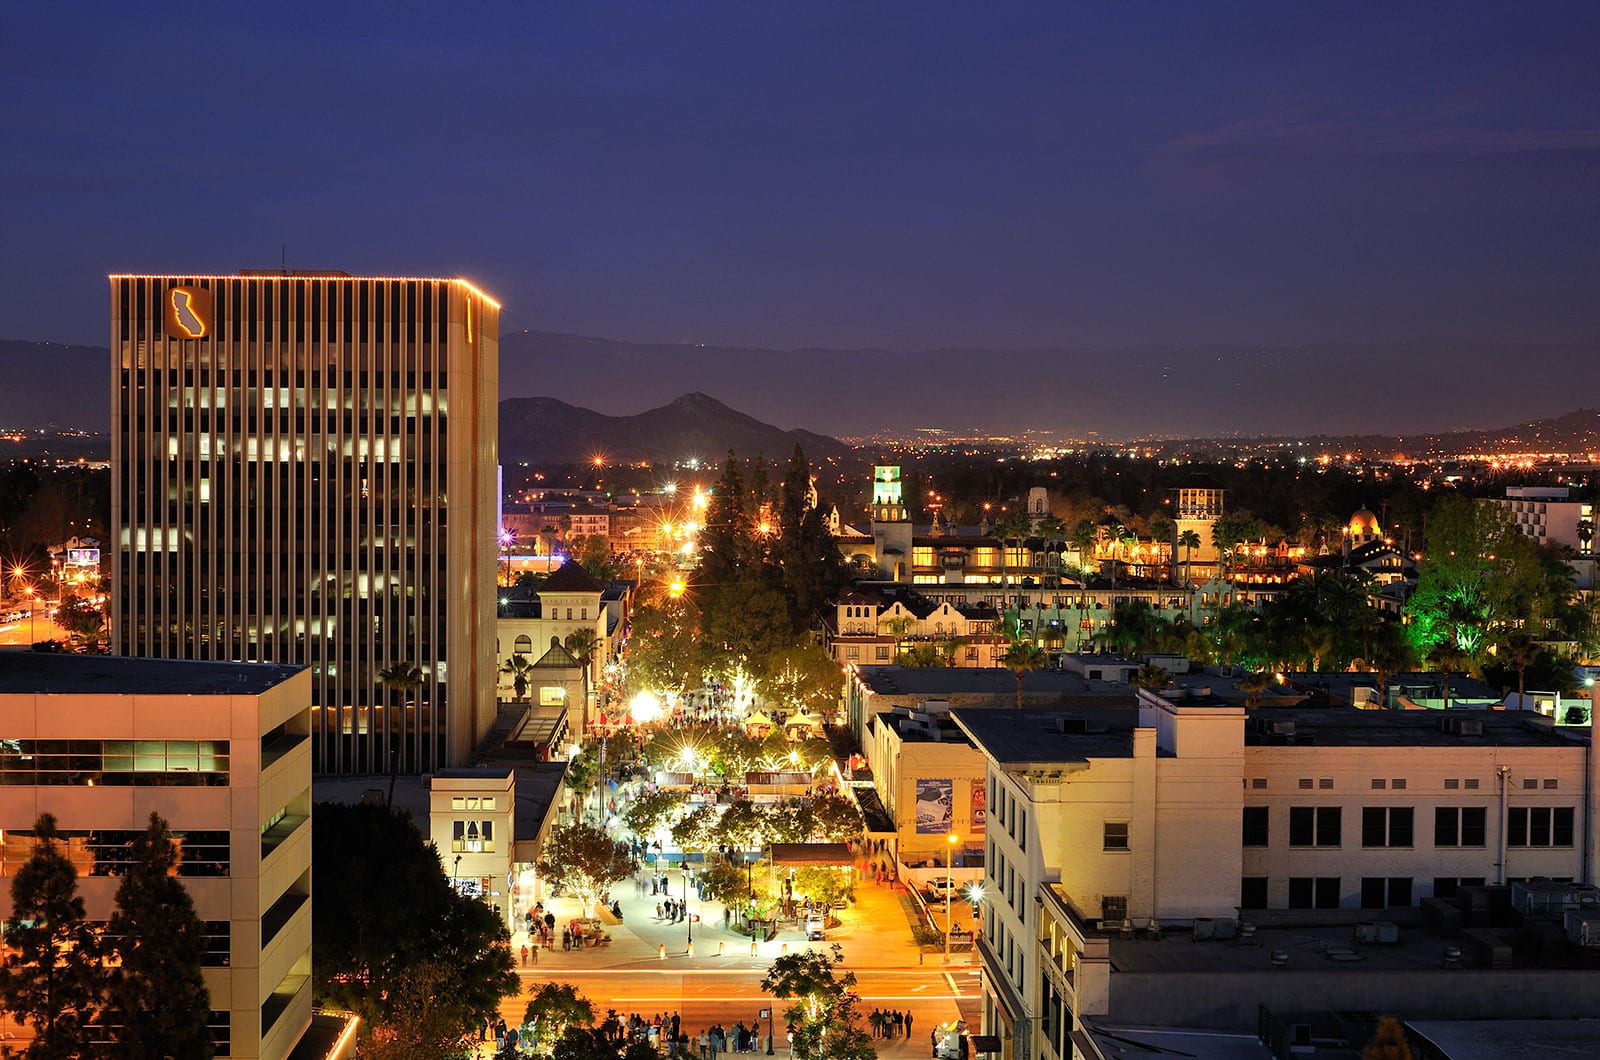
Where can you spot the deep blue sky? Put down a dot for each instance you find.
(785, 174)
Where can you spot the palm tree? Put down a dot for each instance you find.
(581, 644)
(1585, 534)
(1054, 531)
(1253, 684)
(1188, 540)
(1021, 657)
(1152, 677)
(1519, 650)
(520, 670)
(403, 677)
(1116, 533)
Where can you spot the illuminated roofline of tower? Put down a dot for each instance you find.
(317, 274)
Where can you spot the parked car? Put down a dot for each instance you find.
(816, 928)
(941, 889)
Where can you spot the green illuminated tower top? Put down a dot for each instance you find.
(888, 505)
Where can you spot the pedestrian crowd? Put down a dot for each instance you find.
(889, 1023)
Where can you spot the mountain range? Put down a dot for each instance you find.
(1376, 395)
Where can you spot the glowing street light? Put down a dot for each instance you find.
(949, 906)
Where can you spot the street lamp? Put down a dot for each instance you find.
(949, 907)
(688, 918)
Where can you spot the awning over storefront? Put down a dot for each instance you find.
(811, 854)
(984, 1043)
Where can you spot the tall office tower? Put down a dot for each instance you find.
(303, 471)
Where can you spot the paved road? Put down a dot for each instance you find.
(722, 981)
(702, 996)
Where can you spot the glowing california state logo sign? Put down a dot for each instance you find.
(188, 312)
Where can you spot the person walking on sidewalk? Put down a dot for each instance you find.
(908, 1025)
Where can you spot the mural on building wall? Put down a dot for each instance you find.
(980, 807)
(935, 806)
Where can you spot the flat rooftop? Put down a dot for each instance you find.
(53, 674)
(972, 680)
(1041, 738)
(1348, 727)
(1492, 1039)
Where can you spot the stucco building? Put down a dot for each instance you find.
(222, 752)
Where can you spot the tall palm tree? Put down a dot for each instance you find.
(1115, 534)
(1188, 540)
(581, 644)
(1021, 657)
(403, 677)
(520, 670)
(1054, 532)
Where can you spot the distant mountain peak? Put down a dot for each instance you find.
(544, 430)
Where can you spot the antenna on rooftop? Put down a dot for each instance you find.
(283, 257)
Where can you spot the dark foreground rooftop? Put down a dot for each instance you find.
(51, 673)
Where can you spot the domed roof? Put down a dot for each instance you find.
(1365, 522)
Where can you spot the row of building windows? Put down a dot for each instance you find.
(1327, 892)
(157, 763)
(1394, 826)
(109, 851)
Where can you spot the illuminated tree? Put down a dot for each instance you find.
(584, 861)
(823, 1010)
(804, 677)
(1188, 540)
(664, 648)
(654, 811)
(553, 1010)
(811, 570)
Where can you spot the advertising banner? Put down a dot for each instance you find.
(980, 807)
(935, 806)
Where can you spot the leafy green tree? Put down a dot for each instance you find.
(85, 622)
(724, 882)
(697, 830)
(585, 861)
(664, 649)
(742, 825)
(393, 942)
(812, 571)
(835, 818)
(655, 810)
(823, 1005)
(804, 677)
(157, 999)
(593, 553)
(53, 979)
(554, 1009)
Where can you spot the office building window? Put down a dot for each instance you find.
(1253, 892)
(1315, 826)
(1116, 835)
(1255, 826)
(1539, 826)
(1313, 892)
(1460, 826)
(1386, 826)
(1384, 892)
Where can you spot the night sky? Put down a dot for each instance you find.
(853, 175)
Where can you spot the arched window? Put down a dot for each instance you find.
(524, 645)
